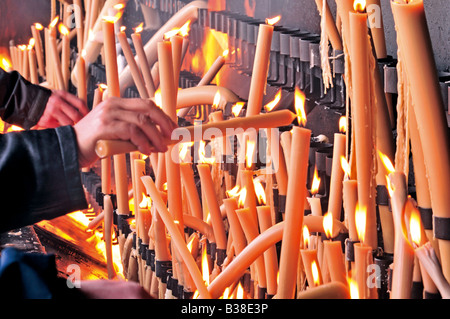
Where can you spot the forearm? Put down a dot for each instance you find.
(21, 102)
(39, 176)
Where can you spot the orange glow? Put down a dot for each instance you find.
(139, 28)
(271, 105)
(233, 192)
(240, 292)
(202, 154)
(260, 192)
(54, 22)
(305, 237)
(217, 99)
(102, 86)
(328, 224)
(273, 21)
(225, 53)
(242, 196)
(360, 221)
(315, 182)
(31, 44)
(345, 166)
(123, 28)
(205, 266)
(249, 153)
(386, 162)
(5, 63)
(146, 202)
(119, 6)
(236, 108)
(359, 5)
(343, 124)
(299, 104)
(415, 227)
(315, 273)
(353, 285)
(63, 29)
(38, 26)
(183, 31)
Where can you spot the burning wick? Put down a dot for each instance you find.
(273, 21)
(359, 6)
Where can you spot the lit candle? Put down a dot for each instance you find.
(65, 55)
(239, 241)
(415, 45)
(314, 200)
(332, 290)
(56, 61)
(145, 68)
(32, 62)
(108, 224)
(294, 212)
(187, 177)
(361, 108)
(333, 252)
(35, 30)
(79, 23)
(260, 66)
(82, 83)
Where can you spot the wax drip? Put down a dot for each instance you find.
(373, 115)
(327, 76)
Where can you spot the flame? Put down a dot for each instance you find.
(38, 26)
(217, 99)
(359, 5)
(205, 266)
(139, 28)
(299, 104)
(328, 224)
(345, 166)
(233, 192)
(14, 128)
(240, 292)
(119, 6)
(343, 124)
(360, 221)
(113, 19)
(305, 237)
(315, 273)
(242, 196)
(158, 98)
(271, 105)
(146, 202)
(123, 28)
(202, 154)
(225, 53)
(184, 147)
(5, 63)
(183, 31)
(249, 153)
(272, 21)
(260, 192)
(165, 187)
(236, 108)
(83, 53)
(196, 294)
(63, 29)
(415, 227)
(226, 293)
(91, 35)
(31, 44)
(386, 162)
(315, 182)
(102, 86)
(353, 285)
(54, 22)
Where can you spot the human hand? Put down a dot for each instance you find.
(62, 109)
(112, 289)
(136, 120)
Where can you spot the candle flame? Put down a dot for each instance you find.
(158, 98)
(31, 43)
(184, 147)
(249, 153)
(146, 202)
(343, 124)
(236, 108)
(315, 182)
(328, 224)
(202, 154)
(273, 21)
(38, 26)
(123, 28)
(242, 196)
(345, 166)
(205, 266)
(54, 22)
(217, 99)
(305, 237)
(196, 294)
(233, 192)
(260, 192)
(191, 244)
(139, 28)
(226, 293)
(271, 105)
(386, 162)
(165, 187)
(113, 19)
(22, 47)
(353, 285)
(315, 273)
(415, 226)
(183, 31)
(225, 53)
(63, 29)
(5, 64)
(360, 221)
(83, 53)
(359, 5)
(119, 6)
(102, 86)
(299, 104)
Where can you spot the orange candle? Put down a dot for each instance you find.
(145, 68)
(33, 68)
(333, 252)
(239, 241)
(65, 55)
(294, 212)
(377, 28)
(250, 198)
(56, 62)
(333, 34)
(108, 224)
(361, 108)
(79, 23)
(135, 73)
(35, 30)
(337, 176)
(82, 83)
(177, 46)
(187, 177)
(311, 266)
(415, 45)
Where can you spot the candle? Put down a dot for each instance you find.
(330, 26)
(362, 113)
(250, 198)
(32, 62)
(285, 140)
(337, 176)
(332, 290)
(260, 66)
(176, 237)
(108, 224)
(403, 251)
(314, 201)
(35, 28)
(239, 241)
(135, 73)
(278, 162)
(65, 55)
(204, 95)
(187, 177)
(415, 45)
(79, 23)
(145, 68)
(82, 83)
(377, 28)
(333, 252)
(56, 62)
(211, 200)
(294, 212)
(195, 132)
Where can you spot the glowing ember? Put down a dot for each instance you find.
(315, 182)
(328, 224)
(360, 221)
(343, 124)
(359, 5)
(299, 103)
(271, 105)
(273, 21)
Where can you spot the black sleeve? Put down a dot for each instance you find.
(39, 176)
(21, 102)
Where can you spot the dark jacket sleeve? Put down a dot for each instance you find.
(39, 176)
(21, 102)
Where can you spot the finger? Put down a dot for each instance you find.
(127, 131)
(62, 118)
(74, 101)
